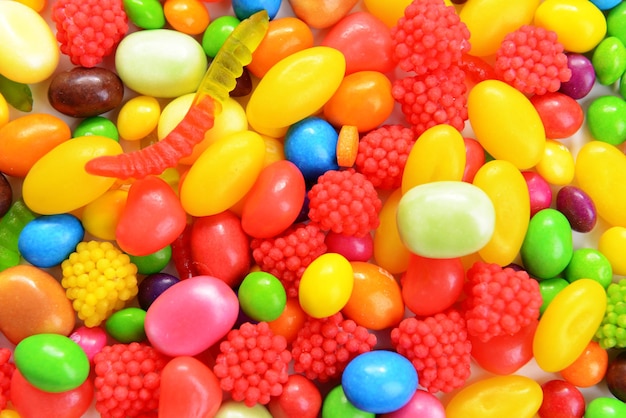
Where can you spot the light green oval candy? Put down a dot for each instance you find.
(606, 119)
(161, 63)
(589, 263)
(97, 125)
(609, 60)
(51, 362)
(445, 219)
(127, 325)
(145, 14)
(548, 245)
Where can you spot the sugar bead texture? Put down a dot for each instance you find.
(612, 330)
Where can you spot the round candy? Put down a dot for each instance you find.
(290, 321)
(589, 263)
(606, 119)
(262, 296)
(577, 207)
(127, 325)
(48, 240)
(138, 117)
(337, 405)
(609, 60)
(216, 33)
(561, 397)
(154, 262)
(91, 340)
(97, 125)
(422, 404)
(605, 407)
(583, 76)
(612, 243)
(589, 368)
(100, 217)
(152, 286)
(326, 285)
(246, 8)
(300, 398)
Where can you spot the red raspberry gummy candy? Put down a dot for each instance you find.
(6, 373)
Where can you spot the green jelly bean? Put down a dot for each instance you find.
(605, 407)
(549, 288)
(616, 22)
(152, 263)
(97, 125)
(127, 325)
(11, 226)
(145, 14)
(336, 405)
(609, 60)
(51, 362)
(216, 33)
(589, 263)
(606, 119)
(262, 297)
(548, 245)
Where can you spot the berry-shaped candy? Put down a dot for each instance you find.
(127, 380)
(438, 348)
(344, 202)
(382, 155)
(532, 60)
(324, 347)
(253, 364)
(6, 372)
(287, 255)
(430, 36)
(500, 301)
(99, 279)
(433, 99)
(612, 331)
(89, 30)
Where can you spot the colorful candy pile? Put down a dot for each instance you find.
(265, 209)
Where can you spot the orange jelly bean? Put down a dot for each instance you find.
(290, 321)
(390, 252)
(187, 16)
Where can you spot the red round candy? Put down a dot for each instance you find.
(561, 399)
(300, 399)
(561, 115)
(474, 158)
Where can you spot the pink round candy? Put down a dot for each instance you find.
(423, 404)
(91, 340)
(539, 191)
(352, 248)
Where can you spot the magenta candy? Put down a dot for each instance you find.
(91, 340)
(577, 207)
(583, 77)
(539, 191)
(352, 248)
(423, 404)
(190, 317)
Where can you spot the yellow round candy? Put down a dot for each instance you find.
(612, 244)
(390, 252)
(138, 117)
(557, 164)
(101, 216)
(4, 111)
(326, 285)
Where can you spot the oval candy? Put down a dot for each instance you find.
(326, 285)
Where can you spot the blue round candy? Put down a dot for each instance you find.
(311, 145)
(379, 381)
(152, 286)
(245, 8)
(48, 240)
(606, 4)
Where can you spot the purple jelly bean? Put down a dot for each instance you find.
(577, 207)
(583, 77)
(152, 286)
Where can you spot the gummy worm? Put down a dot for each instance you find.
(219, 79)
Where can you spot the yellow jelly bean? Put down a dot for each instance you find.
(389, 11)
(506, 123)
(600, 171)
(568, 324)
(489, 21)
(579, 24)
(295, 87)
(390, 252)
(507, 189)
(58, 183)
(438, 155)
(36, 5)
(557, 164)
(223, 174)
(612, 244)
(274, 150)
(497, 397)
(326, 285)
(29, 51)
(138, 117)
(4, 111)
(101, 216)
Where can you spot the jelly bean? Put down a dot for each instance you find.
(562, 116)
(577, 207)
(48, 240)
(245, 8)
(223, 174)
(262, 296)
(97, 125)
(188, 388)
(455, 219)
(389, 250)
(496, 109)
(589, 263)
(322, 14)
(274, 201)
(290, 321)
(100, 217)
(605, 407)
(311, 144)
(539, 191)
(426, 163)
(127, 325)
(29, 51)
(51, 362)
(152, 286)
(153, 206)
(336, 405)
(216, 33)
(296, 87)
(83, 92)
(489, 21)
(365, 42)
(474, 158)
(600, 170)
(6, 195)
(432, 285)
(36, 5)
(300, 398)
(609, 60)
(326, 285)
(605, 4)
(201, 303)
(351, 247)
(557, 164)
(579, 24)
(387, 11)
(91, 340)
(589, 368)
(422, 404)
(145, 14)
(220, 247)
(611, 244)
(615, 20)
(186, 16)
(581, 306)
(605, 117)
(31, 402)
(160, 62)
(232, 409)
(154, 262)
(582, 79)
(4, 111)
(507, 189)
(138, 117)
(33, 302)
(561, 397)
(549, 288)
(376, 299)
(274, 150)
(11, 225)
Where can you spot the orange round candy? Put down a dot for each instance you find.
(589, 368)
(187, 16)
(363, 99)
(290, 321)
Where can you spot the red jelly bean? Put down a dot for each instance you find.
(561, 115)
(474, 158)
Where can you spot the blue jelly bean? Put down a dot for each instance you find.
(152, 286)
(246, 8)
(48, 240)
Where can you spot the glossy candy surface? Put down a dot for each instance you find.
(326, 285)
(311, 144)
(48, 240)
(261, 296)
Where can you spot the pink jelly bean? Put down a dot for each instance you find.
(423, 404)
(352, 248)
(539, 190)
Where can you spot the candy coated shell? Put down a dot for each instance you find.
(423, 404)
(612, 243)
(138, 117)
(326, 285)
(390, 252)
(232, 409)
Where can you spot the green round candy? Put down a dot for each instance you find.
(336, 405)
(589, 263)
(51, 362)
(97, 125)
(549, 288)
(262, 296)
(616, 22)
(605, 407)
(606, 119)
(609, 60)
(127, 325)
(145, 14)
(216, 33)
(152, 263)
